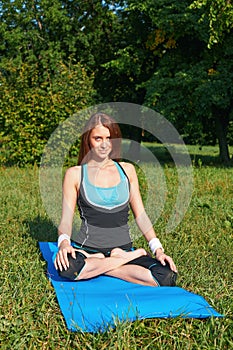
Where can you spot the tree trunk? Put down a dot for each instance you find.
(221, 123)
(135, 144)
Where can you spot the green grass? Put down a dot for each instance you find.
(201, 246)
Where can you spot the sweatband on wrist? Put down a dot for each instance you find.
(155, 244)
(61, 238)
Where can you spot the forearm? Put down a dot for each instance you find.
(145, 226)
(64, 234)
(149, 235)
(64, 229)
(147, 230)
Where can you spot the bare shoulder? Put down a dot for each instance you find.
(129, 169)
(73, 174)
(74, 170)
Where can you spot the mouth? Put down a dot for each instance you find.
(104, 150)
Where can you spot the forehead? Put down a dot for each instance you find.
(100, 130)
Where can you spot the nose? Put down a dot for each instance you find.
(104, 144)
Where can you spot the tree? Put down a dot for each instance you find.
(193, 81)
(31, 107)
(220, 18)
(175, 57)
(129, 64)
(46, 69)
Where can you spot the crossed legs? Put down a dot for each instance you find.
(97, 264)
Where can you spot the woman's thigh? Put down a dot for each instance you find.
(76, 265)
(134, 274)
(162, 274)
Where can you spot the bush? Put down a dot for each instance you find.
(33, 102)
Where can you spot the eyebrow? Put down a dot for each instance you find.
(98, 136)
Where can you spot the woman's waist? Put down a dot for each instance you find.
(105, 251)
(95, 226)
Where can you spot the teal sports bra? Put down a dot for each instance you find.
(110, 197)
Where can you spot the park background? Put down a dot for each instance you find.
(60, 57)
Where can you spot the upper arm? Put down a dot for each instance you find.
(70, 191)
(136, 202)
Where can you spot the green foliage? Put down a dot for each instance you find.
(173, 56)
(192, 85)
(50, 53)
(219, 15)
(128, 61)
(33, 103)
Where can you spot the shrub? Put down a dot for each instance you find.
(34, 101)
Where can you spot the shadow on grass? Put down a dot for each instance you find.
(164, 156)
(208, 160)
(42, 230)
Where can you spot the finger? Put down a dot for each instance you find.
(73, 254)
(59, 263)
(63, 260)
(162, 260)
(174, 268)
(60, 266)
(172, 265)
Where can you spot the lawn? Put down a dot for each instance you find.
(201, 246)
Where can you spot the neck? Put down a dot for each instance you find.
(99, 163)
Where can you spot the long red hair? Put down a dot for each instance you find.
(115, 136)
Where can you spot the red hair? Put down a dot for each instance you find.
(115, 136)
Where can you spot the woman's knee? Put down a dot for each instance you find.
(75, 266)
(163, 275)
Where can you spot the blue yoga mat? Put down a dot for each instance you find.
(95, 305)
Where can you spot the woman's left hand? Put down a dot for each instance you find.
(163, 258)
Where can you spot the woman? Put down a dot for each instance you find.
(104, 188)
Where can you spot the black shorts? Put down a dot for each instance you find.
(75, 266)
(105, 251)
(162, 275)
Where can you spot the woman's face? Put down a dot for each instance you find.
(100, 142)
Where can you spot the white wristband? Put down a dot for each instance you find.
(154, 244)
(61, 238)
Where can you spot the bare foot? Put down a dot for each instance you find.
(95, 255)
(120, 253)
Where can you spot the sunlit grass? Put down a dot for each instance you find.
(201, 246)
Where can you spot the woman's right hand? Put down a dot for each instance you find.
(61, 261)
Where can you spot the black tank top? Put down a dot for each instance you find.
(104, 213)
